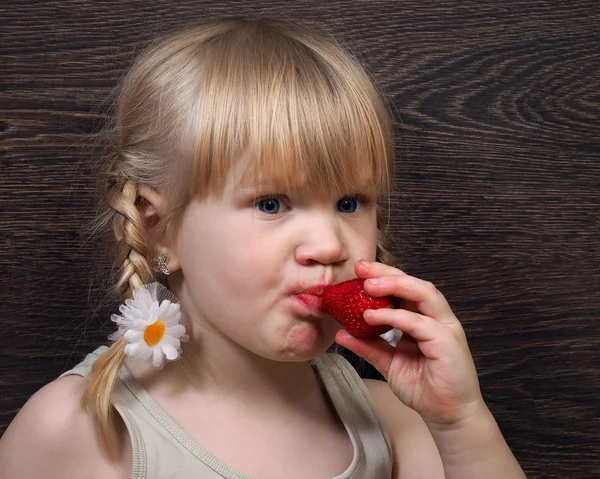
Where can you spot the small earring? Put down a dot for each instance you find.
(160, 264)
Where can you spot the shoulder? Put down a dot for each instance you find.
(52, 428)
(414, 451)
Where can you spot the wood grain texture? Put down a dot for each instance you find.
(497, 106)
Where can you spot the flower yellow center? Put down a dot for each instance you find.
(154, 333)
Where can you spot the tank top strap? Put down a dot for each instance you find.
(354, 405)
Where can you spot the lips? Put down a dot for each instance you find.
(308, 300)
(316, 290)
(312, 303)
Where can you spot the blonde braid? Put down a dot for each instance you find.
(134, 272)
(132, 246)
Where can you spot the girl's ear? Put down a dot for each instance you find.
(153, 207)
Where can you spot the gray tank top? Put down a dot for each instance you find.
(163, 450)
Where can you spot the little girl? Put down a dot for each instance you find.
(250, 160)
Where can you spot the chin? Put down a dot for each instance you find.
(306, 341)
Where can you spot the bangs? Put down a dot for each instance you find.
(300, 113)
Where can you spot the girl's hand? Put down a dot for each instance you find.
(431, 369)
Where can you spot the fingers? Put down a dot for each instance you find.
(379, 353)
(384, 280)
(376, 351)
(426, 331)
(366, 269)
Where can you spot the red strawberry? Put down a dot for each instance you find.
(346, 302)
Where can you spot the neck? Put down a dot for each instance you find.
(225, 367)
(222, 370)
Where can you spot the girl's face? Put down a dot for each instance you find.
(254, 260)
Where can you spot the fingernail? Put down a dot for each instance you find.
(373, 281)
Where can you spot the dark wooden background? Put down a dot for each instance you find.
(497, 105)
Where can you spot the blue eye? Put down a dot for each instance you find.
(347, 205)
(270, 206)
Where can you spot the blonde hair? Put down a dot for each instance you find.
(300, 108)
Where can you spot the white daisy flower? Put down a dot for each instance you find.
(150, 328)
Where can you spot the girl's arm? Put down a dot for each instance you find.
(475, 448)
(432, 372)
(418, 452)
(414, 453)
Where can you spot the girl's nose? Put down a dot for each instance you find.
(323, 242)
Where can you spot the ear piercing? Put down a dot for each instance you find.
(160, 264)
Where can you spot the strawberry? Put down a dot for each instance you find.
(346, 302)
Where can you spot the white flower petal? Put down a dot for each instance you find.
(172, 314)
(144, 353)
(118, 334)
(133, 349)
(132, 336)
(175, 331)
(120, 320)
(167, 339)
(170, 352)
(171, 320)
(153, 312)
(139, 325)
(157, 357)
(135, 315)
(163, 308)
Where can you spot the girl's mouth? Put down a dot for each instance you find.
(308, 304)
